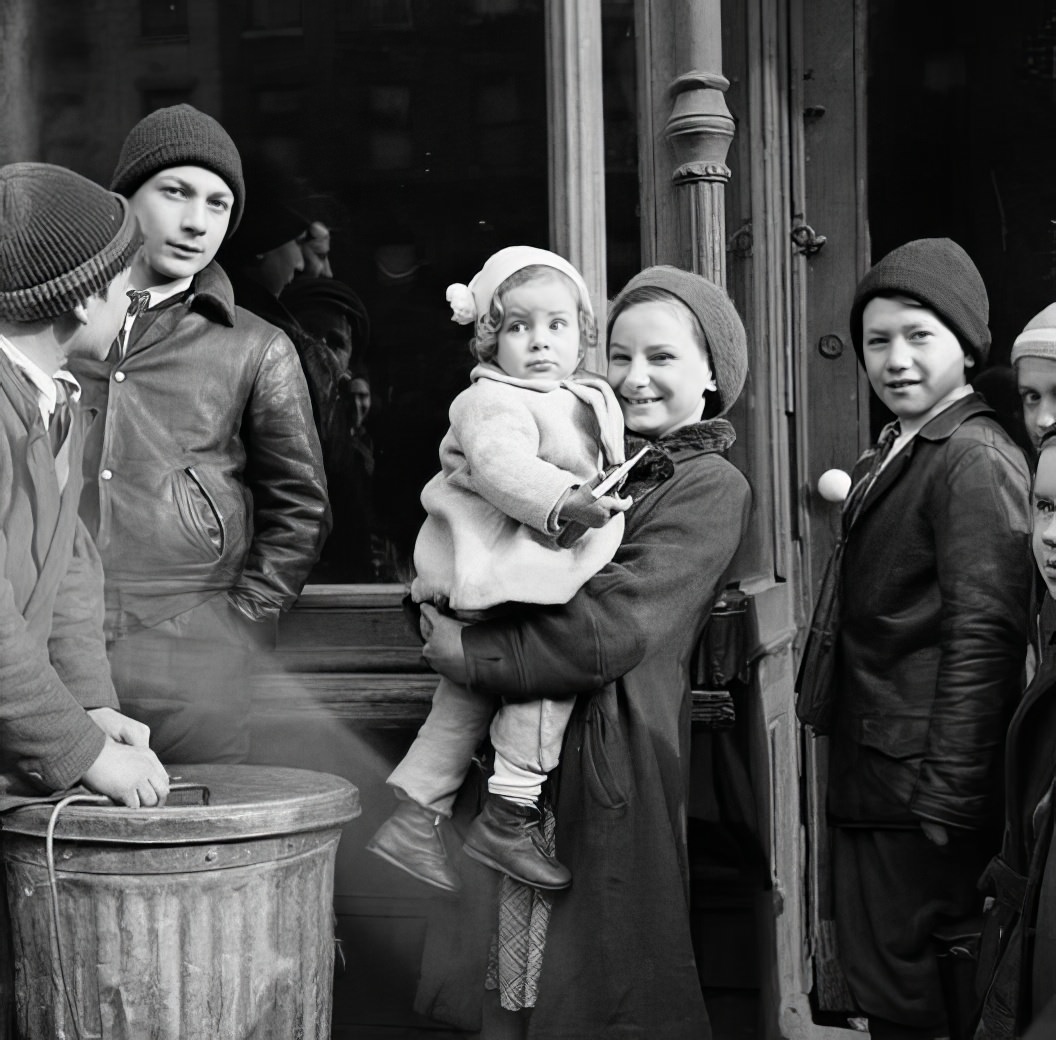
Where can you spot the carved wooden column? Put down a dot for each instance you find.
(700, 130)
(577, 161)
(19, 126)
(685, 131)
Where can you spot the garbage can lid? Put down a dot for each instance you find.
(244, 802)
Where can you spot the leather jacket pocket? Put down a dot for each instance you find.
(201, 511)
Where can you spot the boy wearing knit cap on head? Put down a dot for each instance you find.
(1034, 361)
(204, 484)
(932, 628)
(65, 250)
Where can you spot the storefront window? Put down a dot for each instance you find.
(415, 130)
(161, 18)
(962, 138)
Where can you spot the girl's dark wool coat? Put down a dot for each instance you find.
(618, 961)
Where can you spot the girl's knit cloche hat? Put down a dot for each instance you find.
(1038, 338)
(471, 303)
(180, 135)
(718, 317)
(63, 239)
(941, 275)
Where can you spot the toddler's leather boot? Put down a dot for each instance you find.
(507, 837)
(411, 839)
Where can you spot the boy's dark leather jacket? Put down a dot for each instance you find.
(203, 472)
(933, 628)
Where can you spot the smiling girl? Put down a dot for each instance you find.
(617, 960)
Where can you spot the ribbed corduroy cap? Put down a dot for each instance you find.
(722, 325)
(180, 136)
(941, 275)
(62, 239)
(1038, 338)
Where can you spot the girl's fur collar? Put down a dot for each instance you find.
(658, 464)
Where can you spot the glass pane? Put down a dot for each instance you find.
(163, 17)
(415, 130)
(962, 140)
(274, 14)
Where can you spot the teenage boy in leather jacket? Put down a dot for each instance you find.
(204, 482)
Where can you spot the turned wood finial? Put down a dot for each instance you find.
(700, 127)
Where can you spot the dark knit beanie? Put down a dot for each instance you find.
(62, 239)
(180, 136)
(306, 296)
(941, 275)
(722, 325)
(270, 218)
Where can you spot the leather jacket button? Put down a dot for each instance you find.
(119, 377)
(106, 474)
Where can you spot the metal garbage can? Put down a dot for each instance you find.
(211, 920)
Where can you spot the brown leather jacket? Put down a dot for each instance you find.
(203, 472)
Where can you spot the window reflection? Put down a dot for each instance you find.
(413, 131)
(622, 217)
(416, 134)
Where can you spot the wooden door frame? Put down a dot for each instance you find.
(771, 286)
(575, 119)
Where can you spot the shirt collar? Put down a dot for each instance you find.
(41, 381)
(161, 293)
(911, 427)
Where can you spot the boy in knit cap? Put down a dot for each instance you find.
(933, 593)
(65, 249)
(1034, 361)
(204, 483)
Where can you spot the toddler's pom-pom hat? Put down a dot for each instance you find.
(470, 303)
(62, 240)
(712, 307)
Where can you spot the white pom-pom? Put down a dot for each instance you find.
(463, 306)
(834, 485)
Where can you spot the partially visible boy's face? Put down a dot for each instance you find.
(1036, 382)
(183, 212)
(1043, 503)
(913, 360)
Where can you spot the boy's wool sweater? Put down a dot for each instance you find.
(52, 655)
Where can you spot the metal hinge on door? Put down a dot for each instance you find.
(806, 240)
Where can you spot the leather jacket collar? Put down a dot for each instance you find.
(213, 296)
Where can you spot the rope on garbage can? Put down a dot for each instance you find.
(49, 847)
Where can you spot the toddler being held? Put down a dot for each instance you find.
(526, 439)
